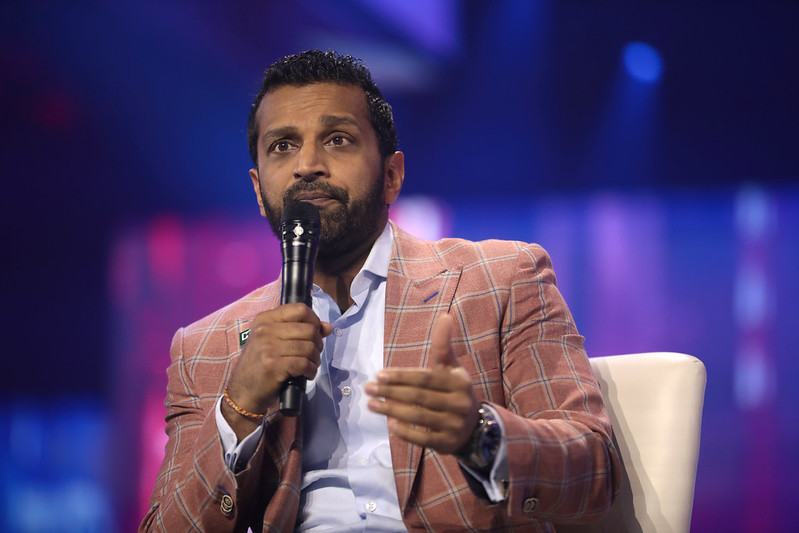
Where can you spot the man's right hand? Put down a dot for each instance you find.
(283, 342)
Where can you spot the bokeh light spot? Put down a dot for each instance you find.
(642, 62)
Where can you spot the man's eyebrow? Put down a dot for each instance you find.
(276, 133)
(325, 120)
(337, 120)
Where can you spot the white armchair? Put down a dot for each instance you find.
(655, 404)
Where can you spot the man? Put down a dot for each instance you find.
(448, 388)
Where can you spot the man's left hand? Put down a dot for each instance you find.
(432, 407)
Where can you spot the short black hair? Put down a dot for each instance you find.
(315, 66)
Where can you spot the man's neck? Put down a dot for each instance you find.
(334, 275)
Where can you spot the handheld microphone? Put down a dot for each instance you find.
(299, 236)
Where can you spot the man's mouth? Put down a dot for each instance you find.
(314, 197)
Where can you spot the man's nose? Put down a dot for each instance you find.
(310, 163)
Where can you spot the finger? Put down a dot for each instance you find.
(452, 402)
(296, 367)
(299, 332)
(421, 378)
(440, 341)
(288, 332)
(299, 348)
(442, 395)
(294, 312)
(416, 415)
(294, 330)
(434, 410)
(325, 329)
(441, 441)
(407, 394)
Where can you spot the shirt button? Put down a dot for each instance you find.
(363, 461)
(346, 390)
(338, 332)
(371, 507)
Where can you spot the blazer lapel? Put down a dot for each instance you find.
(418, 287)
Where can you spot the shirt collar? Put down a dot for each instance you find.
(375, 266)
(380, 255)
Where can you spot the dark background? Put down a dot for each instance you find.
(117, 113)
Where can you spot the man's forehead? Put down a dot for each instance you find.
(321, 99)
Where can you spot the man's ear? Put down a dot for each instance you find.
(394, 175)
(256, 184)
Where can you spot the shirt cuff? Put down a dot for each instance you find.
(237, 454)
(497, 479)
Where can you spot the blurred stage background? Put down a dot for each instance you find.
(651, 148)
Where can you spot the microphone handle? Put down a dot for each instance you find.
(291, 394)
(297, 283)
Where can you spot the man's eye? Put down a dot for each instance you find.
(338, 140)
(281, 146)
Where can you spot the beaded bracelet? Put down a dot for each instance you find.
(239, 410)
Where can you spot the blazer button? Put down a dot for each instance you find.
(226, 505)
(530, 504)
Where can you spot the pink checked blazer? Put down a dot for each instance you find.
(515, 337)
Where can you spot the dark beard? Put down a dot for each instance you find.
(345, 226)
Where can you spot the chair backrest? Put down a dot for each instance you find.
(655, 405)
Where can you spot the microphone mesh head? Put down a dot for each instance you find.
(304, 211)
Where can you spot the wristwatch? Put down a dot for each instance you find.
(481, 449)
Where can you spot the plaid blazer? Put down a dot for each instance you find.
(514, 335)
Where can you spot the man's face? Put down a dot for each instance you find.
(315, 144)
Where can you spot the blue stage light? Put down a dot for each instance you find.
(642, 62)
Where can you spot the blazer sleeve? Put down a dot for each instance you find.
(561, 460)
(195, 490)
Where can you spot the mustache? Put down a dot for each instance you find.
(302, 186)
